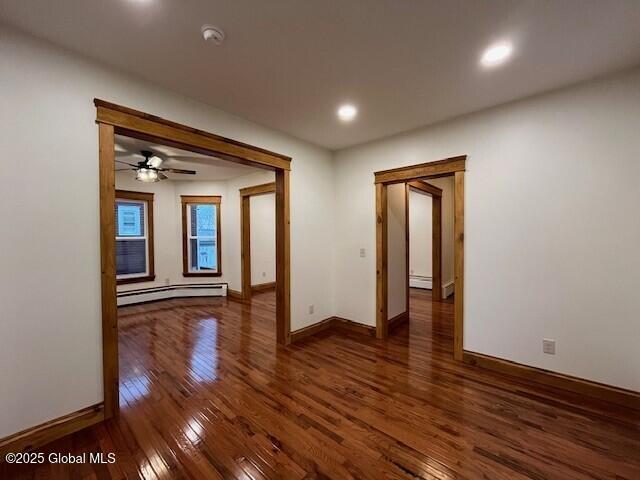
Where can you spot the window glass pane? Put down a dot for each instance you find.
(203, 254)
(129, 219)
(203, 220)
(131, 257)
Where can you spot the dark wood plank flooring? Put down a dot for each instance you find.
(206, 393)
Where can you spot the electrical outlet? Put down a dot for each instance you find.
(548, 346)
(362, 253)
(167, 281)
(311, 309)
(411, 272)
(264, 274)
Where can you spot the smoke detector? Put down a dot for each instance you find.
(212, 34)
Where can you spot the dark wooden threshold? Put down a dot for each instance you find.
(595, 390)
(261, 287)
(40, 435)
(398, 320)
(336, 324)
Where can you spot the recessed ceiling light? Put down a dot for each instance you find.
(347, 112)
(496, 54)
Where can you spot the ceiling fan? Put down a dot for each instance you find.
(149, 169)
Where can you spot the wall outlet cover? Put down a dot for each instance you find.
(311, 309)
(362, 252)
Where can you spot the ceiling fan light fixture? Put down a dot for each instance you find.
(154, 162)
(146, 175)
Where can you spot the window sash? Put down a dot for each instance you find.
(145, 237)
(198, 238)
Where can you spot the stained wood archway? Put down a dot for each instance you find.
(115, 119)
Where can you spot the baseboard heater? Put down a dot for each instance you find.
(141, 295)
(418, 281)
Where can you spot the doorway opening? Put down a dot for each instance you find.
(115, 120)
(257, 274)
(393, 281)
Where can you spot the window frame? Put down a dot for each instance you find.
(147, 199)
(187, 200)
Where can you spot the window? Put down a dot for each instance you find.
(134, 237)
(201, 236)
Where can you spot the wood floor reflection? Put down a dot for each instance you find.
(206, 393)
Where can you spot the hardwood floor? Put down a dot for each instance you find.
(207, 393)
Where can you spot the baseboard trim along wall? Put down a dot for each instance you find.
(398, 320)
(172, 291)
(234, 294)
(595, 390)
(40, 435)
(332, 323)
(261, 287)
(426, 283)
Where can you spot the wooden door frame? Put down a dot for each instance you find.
(245, 233)
(450, 166)
(436, 235)
(115, 120)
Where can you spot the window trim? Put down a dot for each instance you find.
(187, 200)
(148, 198)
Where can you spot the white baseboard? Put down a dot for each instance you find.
(172, 291)
(426, 283)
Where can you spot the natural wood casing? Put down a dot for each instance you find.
(185, 201)
(115, 119)
(447, 167)
(245, 232)
(148, 198)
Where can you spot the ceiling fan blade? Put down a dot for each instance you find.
(162, 176)
(125, 169)
(179, 170)
(130, 164)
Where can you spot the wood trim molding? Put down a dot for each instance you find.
(337, 324)
(115, 119)
(595, 390)
(436, 248)
(314, 329)
(398, 320)
(258, 189)
(261, 287)
(439, 168)
(234, 294)
(283, 257)
(245, 233)
(110, 372)
(136, 124)
(185, 201)
(450, 166)
(245, 246)
(148, 198)
(425, 187)
(35, 437)
(458, 270)
(381, 260)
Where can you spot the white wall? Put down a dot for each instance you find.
(420, 234)
(396, 250)
(551, 227)
(263, 238)
(50, 333)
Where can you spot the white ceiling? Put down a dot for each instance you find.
(207, 167)
(288, 64)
